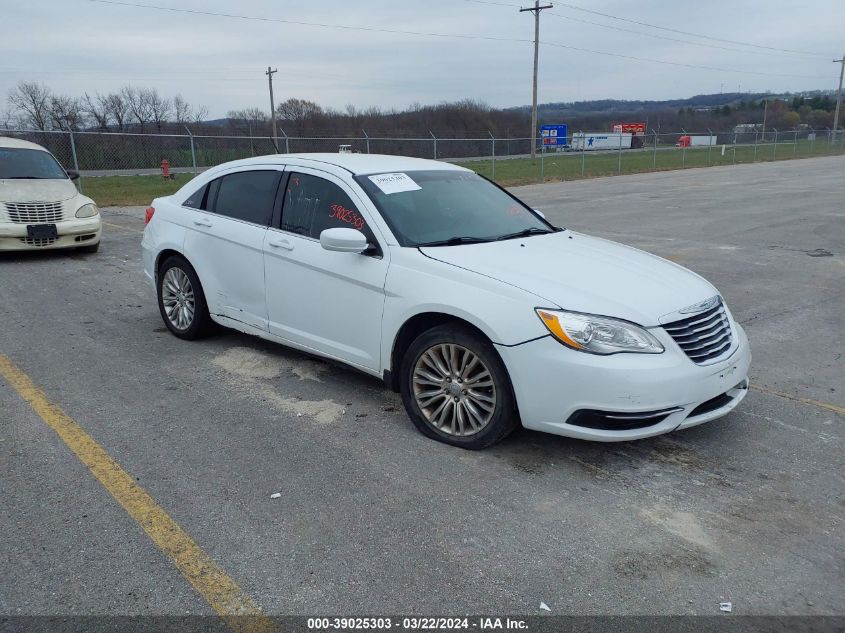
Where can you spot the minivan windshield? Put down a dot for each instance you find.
(19, 162)
(449, 207)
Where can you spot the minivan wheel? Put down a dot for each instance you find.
(456, 388)
(181, 300)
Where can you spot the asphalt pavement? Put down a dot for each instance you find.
(374, 518)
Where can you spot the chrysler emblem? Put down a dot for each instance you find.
(701, 306)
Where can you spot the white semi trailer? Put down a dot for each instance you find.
(601, 141)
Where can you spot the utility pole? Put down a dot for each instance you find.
(269, 73)
(536, 10)
(838, 94)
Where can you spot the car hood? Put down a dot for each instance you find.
(584, 274)
(17, 190)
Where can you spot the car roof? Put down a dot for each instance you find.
(8, 141)
(353, 163)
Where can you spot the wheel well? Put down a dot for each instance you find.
(162, 257)
(410, 330)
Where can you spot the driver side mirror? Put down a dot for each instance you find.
(343, 240)
(73, 174)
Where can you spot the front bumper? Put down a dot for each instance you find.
(551, 382)
(72, 233)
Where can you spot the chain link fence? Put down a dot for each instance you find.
(112, 153)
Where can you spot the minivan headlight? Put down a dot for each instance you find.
(598, 334)
(87, 211)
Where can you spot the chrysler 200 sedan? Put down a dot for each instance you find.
(481, 313)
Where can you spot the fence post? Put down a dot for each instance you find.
(287, 141)
(775, 149)
(795, 143)
(710, 146)
(366, 136)
(193, 153)
(75, 161)
(619, 166)
(812, 141)
(435, 143)
(755, 147)
(493, 155)
(684, 154)
(735, 135)
(583, 152)
(654, 158)
(542, 161)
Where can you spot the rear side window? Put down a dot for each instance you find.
(246, 195)
(195, 201)
(313, 204)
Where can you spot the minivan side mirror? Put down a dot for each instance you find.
(73, 174)
(343, 240)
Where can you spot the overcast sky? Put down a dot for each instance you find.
(80, 45)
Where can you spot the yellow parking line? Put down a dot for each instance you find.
(121, 227)
(206, 576)
(815, 403)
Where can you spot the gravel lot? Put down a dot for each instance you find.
(373, 518)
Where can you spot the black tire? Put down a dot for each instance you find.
(504, 418)
(91, 248)
(201, 324)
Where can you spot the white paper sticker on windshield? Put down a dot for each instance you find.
(394, 183)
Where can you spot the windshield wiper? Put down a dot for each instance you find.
(523, 233)
(454, 241)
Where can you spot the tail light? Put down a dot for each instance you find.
(148, 215)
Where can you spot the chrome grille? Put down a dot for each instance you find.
(704, 336)
(39, 241)
(34, 212)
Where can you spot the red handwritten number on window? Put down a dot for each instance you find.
(346, 215)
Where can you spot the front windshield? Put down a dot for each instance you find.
(18, 162)
(444, 207)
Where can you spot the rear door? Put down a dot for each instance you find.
(327, 301)
(225, 242)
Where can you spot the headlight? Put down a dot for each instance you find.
(598, 334)
(87, 211)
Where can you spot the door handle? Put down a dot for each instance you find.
(284, 244)
(203, 222)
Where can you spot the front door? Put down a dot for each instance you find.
(329, 302)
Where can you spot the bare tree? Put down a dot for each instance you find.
(118, 109)
(66, 113)
(298, 110)
(182, 110)
(97, 107)
(31, 101)
(160, 107)
(137, 106)
(200, 114)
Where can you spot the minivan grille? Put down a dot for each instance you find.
(704, 336)
(34, 212)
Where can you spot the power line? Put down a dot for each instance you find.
(432, 34)
(671, 30)
(652, 26)
(304, 23)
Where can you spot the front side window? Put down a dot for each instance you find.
(314, 204)
(436, 207)
(17, 163)
(245, 195)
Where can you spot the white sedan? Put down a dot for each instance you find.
(40, 207)
(454, 292)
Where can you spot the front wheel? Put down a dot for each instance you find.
(181, 300)
(456, 389)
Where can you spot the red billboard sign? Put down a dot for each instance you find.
(629, 128)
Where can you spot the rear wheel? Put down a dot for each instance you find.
(181, 300)
(456, 388)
